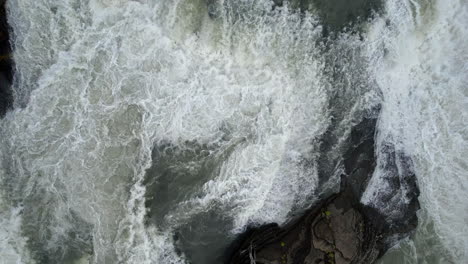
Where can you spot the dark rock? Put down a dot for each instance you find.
(332, 232)
(338, 229)
(399, 202)
(6, 64)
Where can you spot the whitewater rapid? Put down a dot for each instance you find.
(101, 84)
(425, 101)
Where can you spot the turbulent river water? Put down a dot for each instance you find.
(153, 131)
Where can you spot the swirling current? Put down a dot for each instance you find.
(138, 121)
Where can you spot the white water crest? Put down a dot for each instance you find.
(101, 83)
(423, 78)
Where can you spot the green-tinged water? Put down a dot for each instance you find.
(155, 131)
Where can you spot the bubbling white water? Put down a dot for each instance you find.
(105, 82)
(422, 76)
(12, 243)
(101, 82)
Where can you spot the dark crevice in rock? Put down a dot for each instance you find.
(6, 63)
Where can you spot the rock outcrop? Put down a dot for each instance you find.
(338, 229)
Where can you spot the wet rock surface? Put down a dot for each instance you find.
(339, 228)
(6, 64)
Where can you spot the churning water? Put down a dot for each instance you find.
(153, 131)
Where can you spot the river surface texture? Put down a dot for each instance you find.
(155, 131)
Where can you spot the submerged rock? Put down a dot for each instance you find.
(335, 15)
(338, 14)
(338, 229)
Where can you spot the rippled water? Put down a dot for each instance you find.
(143, 128)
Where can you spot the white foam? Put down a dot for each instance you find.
(103, 83)
(423, 80)
(120, 81)
(12, 243)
